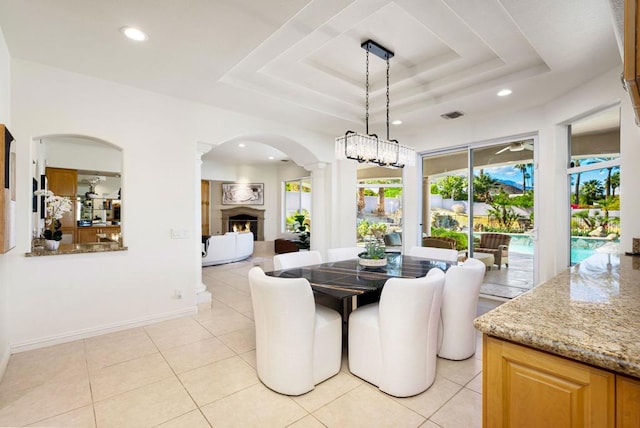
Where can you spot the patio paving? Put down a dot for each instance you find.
(510, 282)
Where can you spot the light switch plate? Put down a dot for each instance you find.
(179, 234)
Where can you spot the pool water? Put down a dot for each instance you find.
(581, 246)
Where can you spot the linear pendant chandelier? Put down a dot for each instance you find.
(367, 147)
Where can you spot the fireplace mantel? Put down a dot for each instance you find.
(231, 212)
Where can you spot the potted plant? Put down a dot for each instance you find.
(374, 256)
(301, 227)
(56, 208)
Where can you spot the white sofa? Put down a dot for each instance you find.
(227, 248)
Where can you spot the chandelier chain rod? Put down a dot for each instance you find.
(366, 119)
(388, 97)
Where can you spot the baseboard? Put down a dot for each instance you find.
(96, 331)
(4, 360)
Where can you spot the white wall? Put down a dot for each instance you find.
(51, 298)
(5, 118)
(81, 154)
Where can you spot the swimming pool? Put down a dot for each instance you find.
(581, 246)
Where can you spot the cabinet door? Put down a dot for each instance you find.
(627, 402)
(204, 206)
(523, 387)
(64, 182)
(87, 234)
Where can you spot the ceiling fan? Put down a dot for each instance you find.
(517, 147)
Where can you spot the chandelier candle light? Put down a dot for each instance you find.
(369, 147)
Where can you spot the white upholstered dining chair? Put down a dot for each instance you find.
(434, 253)
(298, 343)
(344, 253)
(297, 259)
(456, 334)
(393, 343)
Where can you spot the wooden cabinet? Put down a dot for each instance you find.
(523, 387)
(627, 402)
(64, 182)
(96, 233)
(204, 206)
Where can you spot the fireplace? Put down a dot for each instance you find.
(244, 219)
(244, 223)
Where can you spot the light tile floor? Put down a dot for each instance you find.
(199, 371)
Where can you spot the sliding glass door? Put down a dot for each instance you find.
(483, 197)
(446, 210)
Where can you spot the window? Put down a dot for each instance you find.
(297, 200)
(379, 205)
(594, 185)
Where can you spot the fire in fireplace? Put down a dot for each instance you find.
(238, 226)
(244, 223)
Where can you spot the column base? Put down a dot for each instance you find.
(203, 301)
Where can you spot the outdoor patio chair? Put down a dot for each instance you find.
(496, 244)
(439, 242)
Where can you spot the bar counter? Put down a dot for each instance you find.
(92, 247)
(588, 313)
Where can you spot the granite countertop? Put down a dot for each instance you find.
(589, 313)
(93, 247)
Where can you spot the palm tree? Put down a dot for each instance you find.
(380, 209)
(361, 199)
(523, 169)
(607, 204)
(608, 182)
(591, 190)
(614, 181)
(483, 184)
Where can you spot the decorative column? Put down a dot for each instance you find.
(203, 297)
(319, 212)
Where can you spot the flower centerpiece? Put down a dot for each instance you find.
(374, 256)
(56, 208)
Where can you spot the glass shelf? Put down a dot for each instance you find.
(105, 207)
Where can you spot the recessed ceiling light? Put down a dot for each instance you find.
(397, 122)
(134, 34)
(271, 158)
(504, 92)
(241, 145)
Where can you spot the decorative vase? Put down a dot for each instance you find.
(377, 263)
(51, 244)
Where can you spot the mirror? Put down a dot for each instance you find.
(88, 171)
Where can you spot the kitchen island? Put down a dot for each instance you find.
(567, 353)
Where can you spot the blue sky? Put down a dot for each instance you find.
(509, 173)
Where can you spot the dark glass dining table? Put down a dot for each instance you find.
(352, 284)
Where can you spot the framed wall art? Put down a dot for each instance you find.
(242, 194)
(7, 192)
